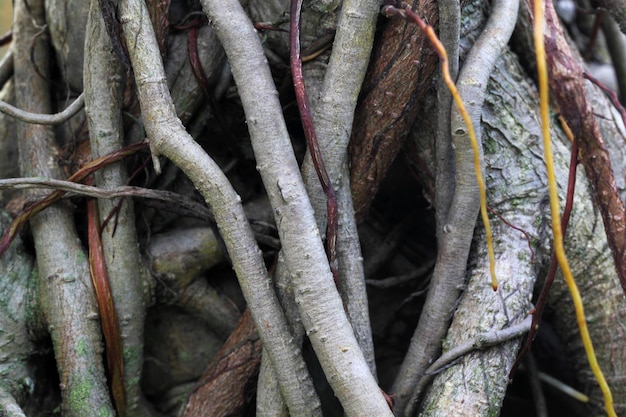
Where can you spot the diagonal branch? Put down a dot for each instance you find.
(320, 306)
(169, 138)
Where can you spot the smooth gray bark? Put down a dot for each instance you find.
(66, 293)
(104, 85)
(169, 138)
(320, 306)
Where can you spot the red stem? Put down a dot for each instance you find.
(543, 296)
(311, 137)
(79, 176)
(106, 308)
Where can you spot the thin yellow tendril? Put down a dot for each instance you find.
(441, 51)
(555, 210)
(566, 129)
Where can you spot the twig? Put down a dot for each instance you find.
(44, 119)
(334, 118)
(463, 124)
(401, 279)
(519, 229)
(124, 191)
(481, 341)
(80, 175)
(567, 89)
(104, 99)
(610, 94)
(106, 309)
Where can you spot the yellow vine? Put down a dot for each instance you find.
(441, 51)
(555, 209)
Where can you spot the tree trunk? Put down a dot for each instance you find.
(216, 102)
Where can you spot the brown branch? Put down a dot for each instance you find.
(223, 389)
(567, 89)
(403, 64)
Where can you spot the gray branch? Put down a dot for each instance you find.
(66, 292)
(44, 119)
(320, 305)
(169, 138)
(104, 88)
(617, 8)
(450, 269)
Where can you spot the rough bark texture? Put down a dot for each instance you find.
(65, 289)
(568, 91)
(517, 191)
(403, 64)
(475, 386)
(16, 345)
(450, 268)
(232, 368)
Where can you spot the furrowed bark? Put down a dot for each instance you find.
(597, 273)
(320, 305)
(224, 387)
(516, 189)
(450, 268)
(403, 64)
(66, 293)
(104, 85)
(516, 185)
(168, 137)
(568, 91)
